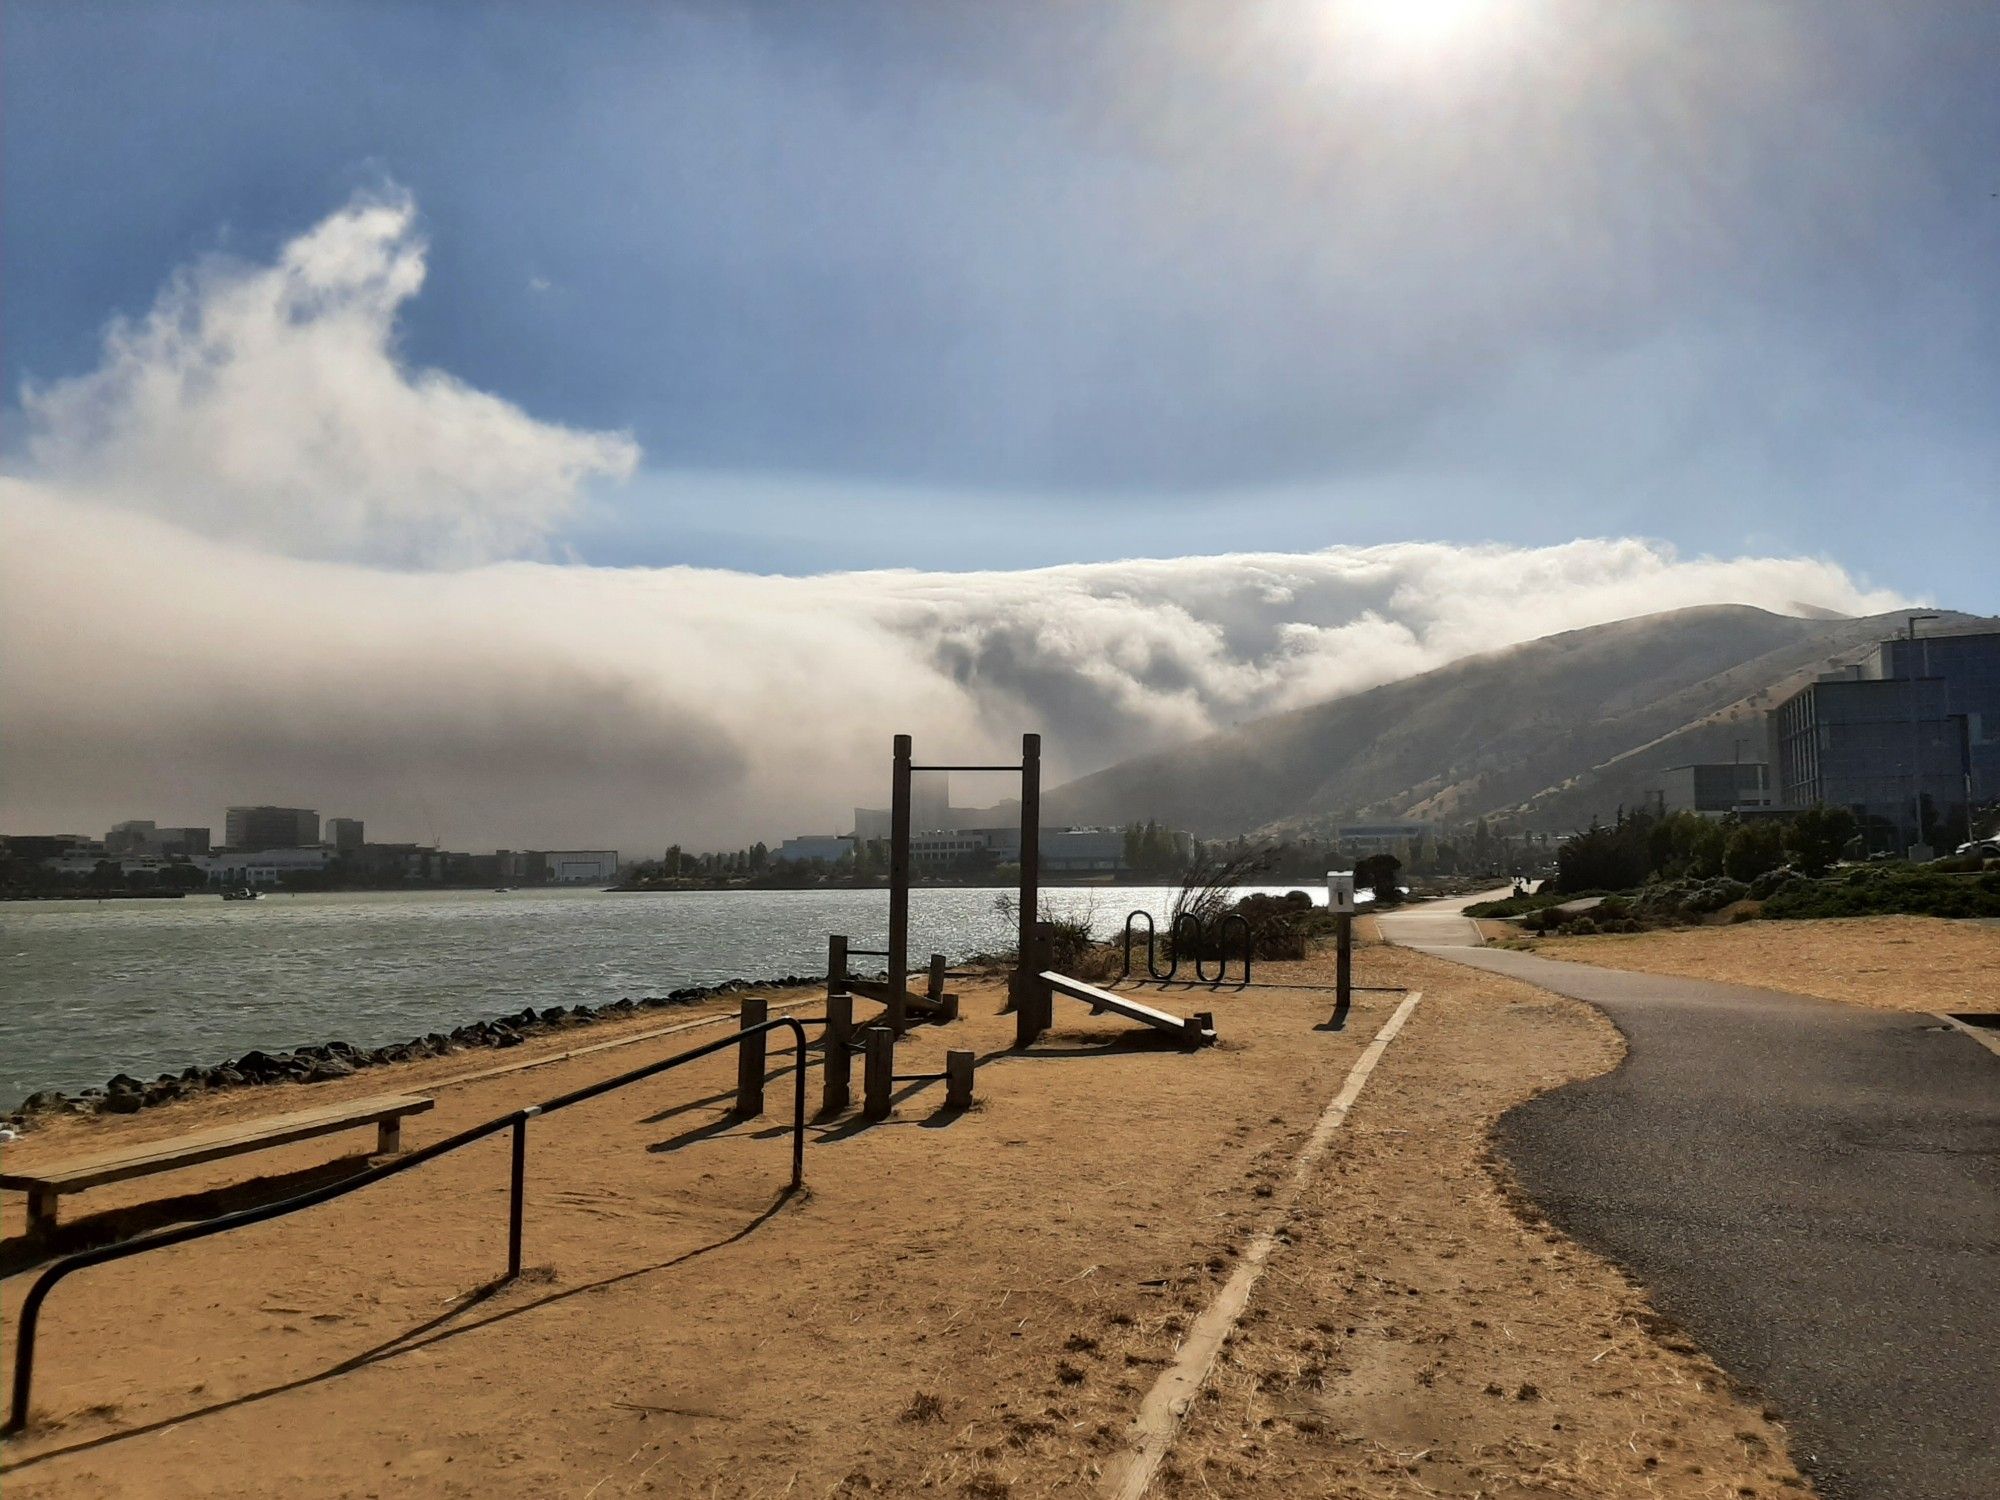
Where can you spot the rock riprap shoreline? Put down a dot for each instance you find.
(123, 1094)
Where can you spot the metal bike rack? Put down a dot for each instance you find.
(517, 1121)
(1188, 938)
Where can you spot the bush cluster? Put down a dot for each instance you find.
(1887, 890)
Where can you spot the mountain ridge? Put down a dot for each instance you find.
(1537, 734)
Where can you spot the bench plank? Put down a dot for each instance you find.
(210, 1145)
(1124, 1005)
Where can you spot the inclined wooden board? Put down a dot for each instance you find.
(874, 989)
(208, 1145)
(1090, 994)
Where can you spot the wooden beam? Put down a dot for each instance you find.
(899, 881)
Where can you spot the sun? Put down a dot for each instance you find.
(1418, 26)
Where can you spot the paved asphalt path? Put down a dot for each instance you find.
(1811, 1189)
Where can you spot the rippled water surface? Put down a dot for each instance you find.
(88, 989)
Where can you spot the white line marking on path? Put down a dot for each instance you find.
(1167, 1402)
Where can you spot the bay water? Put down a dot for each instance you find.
(93, 988)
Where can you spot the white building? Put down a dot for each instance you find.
(582, 866)
(263, 866)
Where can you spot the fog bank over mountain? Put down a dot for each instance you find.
(257, 557)
(1544, 735)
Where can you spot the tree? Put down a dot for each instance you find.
(1754, 849)
(1378, 873)
(1686, 843)
(1616, 858)
(1819, 836)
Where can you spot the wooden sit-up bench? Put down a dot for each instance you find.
(46, 1185)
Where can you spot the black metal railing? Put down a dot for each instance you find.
(1190, 938)
(517, 1121)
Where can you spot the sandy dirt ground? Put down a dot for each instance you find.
(1894, 963)
(965, 1304)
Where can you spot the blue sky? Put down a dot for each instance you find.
(969, 285)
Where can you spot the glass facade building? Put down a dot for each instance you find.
(1902, 742)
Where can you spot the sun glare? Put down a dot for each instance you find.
(1417, 26)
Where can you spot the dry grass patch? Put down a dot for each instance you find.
(1893, 963)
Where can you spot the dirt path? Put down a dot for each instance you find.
(962, 1305)
(1894, 963)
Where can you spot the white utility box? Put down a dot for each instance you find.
(1340, 892)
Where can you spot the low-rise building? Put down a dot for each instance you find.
(1716, 789)
(581, 866)
(1400, 839)
(263, 866)
(828, 847)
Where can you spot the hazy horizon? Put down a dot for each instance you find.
(624, 422)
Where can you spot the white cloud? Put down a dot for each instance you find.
(154, 672)
(202, 602)
(267, 404)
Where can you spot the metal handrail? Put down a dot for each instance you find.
(517, 1121)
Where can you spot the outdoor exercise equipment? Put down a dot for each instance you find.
(1033, 984)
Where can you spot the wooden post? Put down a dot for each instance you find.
(389, 1136)
(750, 1057)
(1031, 841)
(958, 1078)
(836, 964)
(899, 883)
(1045, 998)
(1031, 999)
(1343, 971)
(934, 989)
(836, 1060)
(878, 1071)
(42, 1203)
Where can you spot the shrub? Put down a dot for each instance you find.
(1754, 849)
(1818, 836)
(1889, 890)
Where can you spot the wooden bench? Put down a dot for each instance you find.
(46, 1185)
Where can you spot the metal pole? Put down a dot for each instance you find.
(899, 882)
(520, 1180)
(750, 1021)
(798, 1107)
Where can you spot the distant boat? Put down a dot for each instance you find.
(503, 888)
(239, 893)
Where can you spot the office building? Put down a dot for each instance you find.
(252, 828)
(1882, 749)
(345, 834)
(1968, 664)
(141, 838)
